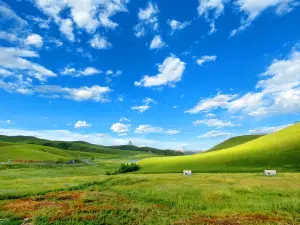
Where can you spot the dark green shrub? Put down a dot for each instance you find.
(129, 167)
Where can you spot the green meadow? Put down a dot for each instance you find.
(227, 187)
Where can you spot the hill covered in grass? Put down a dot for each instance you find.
(148, 149)
(122, 150)
(21, 152)
(235, 141)
(280, 151)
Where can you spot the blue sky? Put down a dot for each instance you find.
(169, 74)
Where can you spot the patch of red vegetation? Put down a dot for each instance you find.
(236, 219)
(89, 217)
(26, 206)
(70, 195)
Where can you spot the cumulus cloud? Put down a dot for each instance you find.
(206, 58)
(267, 130)
(120, 128)
(157, 43)
(99, 42)
(148, 19)
(253, 8)
(87, 15)
(147, 101)
(277, 92)
(219, 101)
(176, 25)
(170, 72)
(14, 59)
(148, 129)
(141, 108)
(214, 123)
(88, 71)
(124, 119)
(211, 10)
(7, 14)
(34, 40)
(82, 124)
(215, 133)
(210, 115)
(95, 93)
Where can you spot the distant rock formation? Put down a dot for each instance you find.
(130, 143)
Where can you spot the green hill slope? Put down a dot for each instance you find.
(123, 150)
(32, 152)
(280, 151)
(235, 141)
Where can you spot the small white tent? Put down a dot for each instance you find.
(187, 173)
(270, 172)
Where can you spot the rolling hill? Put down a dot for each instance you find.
(122, 150)
(280, 151)
(232, 142)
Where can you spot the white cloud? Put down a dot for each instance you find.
(206, 58)
(88, 71)
(5, 73)
(95, 93)
(34, 40)
(267, 130)
(215, 133)
(170, 72)
(82, 124)
(219, 101)
(43, 23)
(66, 27)
(177, 25)
(99, 42)
(157, 43)
(278, 92)
(148, 129)
(87, 15)
(214, 123)
(175, 106)
(8, 36)
(147, 20)
(13, 59)
(120, 99)
(141, 108)
(211, 10)
(123, 119)
(147, 101)
(210, 115)
(8, 14)
(253, 8)
(120, 128)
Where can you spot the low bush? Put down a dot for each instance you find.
(125, 168)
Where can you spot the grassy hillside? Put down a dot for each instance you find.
(123, 150)
(148, 149)
(280, 151)
(235, 141)
(32, 152)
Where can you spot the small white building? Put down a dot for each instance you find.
(270, 172)
(187, 173)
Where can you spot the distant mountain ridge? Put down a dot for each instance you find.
(87, 147)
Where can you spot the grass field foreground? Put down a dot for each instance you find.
(66, 198)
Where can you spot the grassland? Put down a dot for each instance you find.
(84, 195)
(235, 141)
(280, 151)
